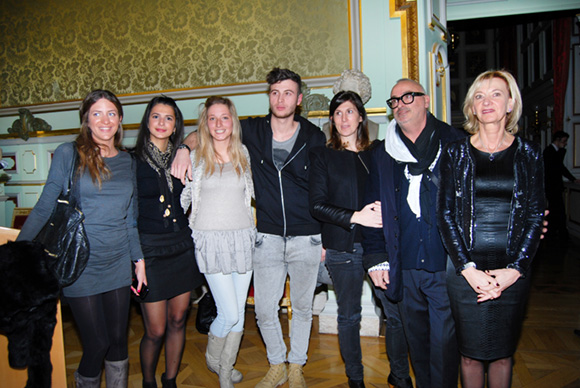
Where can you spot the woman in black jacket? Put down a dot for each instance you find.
(337, 180)
(490, 209)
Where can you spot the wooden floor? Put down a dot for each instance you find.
(548, 354)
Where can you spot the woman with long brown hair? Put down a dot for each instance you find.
(99, 298)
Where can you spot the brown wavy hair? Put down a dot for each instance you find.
(89, 151)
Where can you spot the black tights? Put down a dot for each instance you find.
(167, 319)
(499, 373)
(102, 321)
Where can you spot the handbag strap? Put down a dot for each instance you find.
(73, 187)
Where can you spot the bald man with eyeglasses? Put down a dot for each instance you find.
(406, 257)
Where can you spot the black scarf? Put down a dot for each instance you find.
(424, 150)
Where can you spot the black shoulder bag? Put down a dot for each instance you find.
(63, 237)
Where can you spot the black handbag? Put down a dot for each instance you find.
(206, 313)
(63, 237)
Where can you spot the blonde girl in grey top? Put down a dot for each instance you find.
(223, 228)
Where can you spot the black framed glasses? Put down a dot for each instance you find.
(407, 99)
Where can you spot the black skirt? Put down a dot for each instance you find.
(170, 264)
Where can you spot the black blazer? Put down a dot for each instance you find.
(334, 194)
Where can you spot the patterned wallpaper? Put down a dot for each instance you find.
(57, 50)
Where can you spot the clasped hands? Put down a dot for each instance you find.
(491, 283)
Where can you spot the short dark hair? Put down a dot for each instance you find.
(559, 135)
(144, 133)
(362, 135)
(277, 75)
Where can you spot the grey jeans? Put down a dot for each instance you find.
(276, 256)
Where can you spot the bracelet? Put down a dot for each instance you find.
(137, 261)
(182, 146)
(469, 265)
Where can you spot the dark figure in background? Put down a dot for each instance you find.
(337, 180)
(490, 211)
(554, 185)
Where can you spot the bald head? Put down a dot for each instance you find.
(411, 116)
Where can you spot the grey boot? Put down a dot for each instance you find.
(213, 353)
(116, 373)
(87, 382)
(228, 358)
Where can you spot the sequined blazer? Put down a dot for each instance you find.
(456, 212)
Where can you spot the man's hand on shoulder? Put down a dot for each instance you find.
(181, 166)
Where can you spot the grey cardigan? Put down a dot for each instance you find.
(191, 194)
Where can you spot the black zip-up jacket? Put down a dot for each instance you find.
(335, 193)
(282, 196)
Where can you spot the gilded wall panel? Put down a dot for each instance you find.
(58, 50)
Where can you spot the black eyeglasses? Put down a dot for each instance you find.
(407, 99)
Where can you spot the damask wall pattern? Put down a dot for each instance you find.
(58, 50)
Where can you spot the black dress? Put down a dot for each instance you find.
(489, 330)
(165, 237)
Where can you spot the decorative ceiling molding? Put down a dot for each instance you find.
(406, 10)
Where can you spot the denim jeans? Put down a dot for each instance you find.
(395, 340)
(274, 258)
(230, 293)
(348, 274)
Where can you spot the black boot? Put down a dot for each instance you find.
(356, 383)
(395, 382)
(168, 383)
(149, 384)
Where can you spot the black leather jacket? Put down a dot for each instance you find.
(455, 211)
(335, 195)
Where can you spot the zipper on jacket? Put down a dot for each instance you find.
(282, 188)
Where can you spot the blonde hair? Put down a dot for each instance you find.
(471, 123)
(206, 151)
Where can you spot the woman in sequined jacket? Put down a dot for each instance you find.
(490, 210)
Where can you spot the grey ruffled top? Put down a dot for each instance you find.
(221, 218)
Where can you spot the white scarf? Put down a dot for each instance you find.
(395, 147)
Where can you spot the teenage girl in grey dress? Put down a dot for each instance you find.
(99, 299)
(223, 228)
